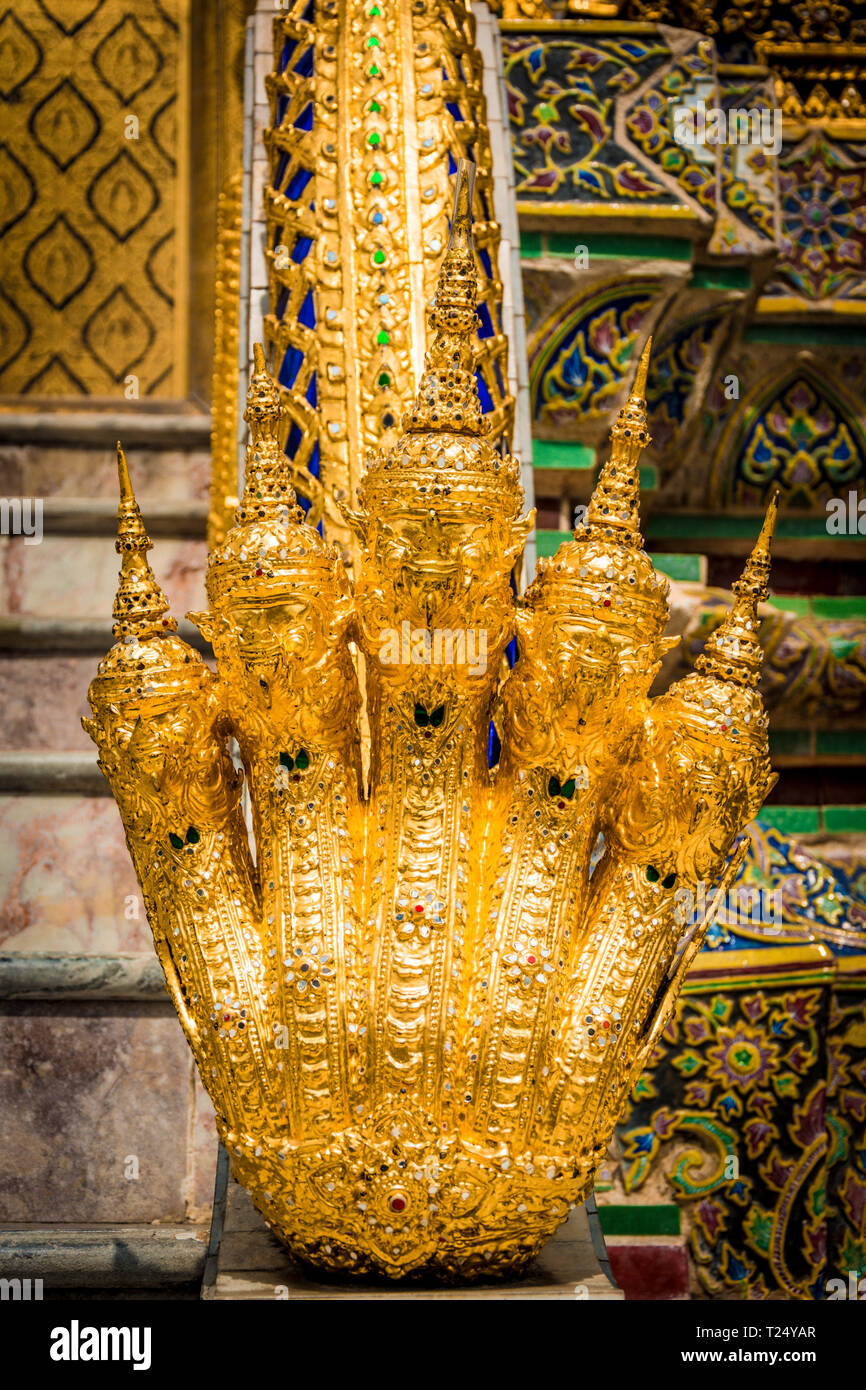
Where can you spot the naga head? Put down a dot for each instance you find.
(590, 631)
(707, 735)
(280, 604)
(439, 521)
(154, 700)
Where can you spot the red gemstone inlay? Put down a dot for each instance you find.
(419, 907)
(606, 603)
(605, 1024)
(531, 960)
(259, 571)
(560, 805)
(397, 1204)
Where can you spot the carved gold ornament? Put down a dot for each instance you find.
(417, 1014)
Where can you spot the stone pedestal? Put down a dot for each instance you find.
(247, 1261)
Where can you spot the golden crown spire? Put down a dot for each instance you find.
(615, 502)
(447, 397)
(267, 490)
(733, 652)
(140, 604)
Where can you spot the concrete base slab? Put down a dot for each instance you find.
(250, 1263)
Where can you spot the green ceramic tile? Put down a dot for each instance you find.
(649, 478)
(843, 606)
(719, 277)
(548, 542)
(792, 603)
(553, 453)
(613, 247)
(845, 820)
(674, 524)
(792, 743)
(792, 820)
(686, 568)
(638, 1219)
(840, 742)
(807, 333)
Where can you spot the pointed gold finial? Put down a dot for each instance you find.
(733, 652)
(614, 508)
(267, 490)
(447, 397)
(640, 376)
(140, 606)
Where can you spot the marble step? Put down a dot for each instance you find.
(119, 1256)
(56, 975)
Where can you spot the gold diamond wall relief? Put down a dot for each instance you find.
(92, 212)
(416, 1013)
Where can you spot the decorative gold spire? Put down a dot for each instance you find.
(447, 399)
(614, 507)
(733, 652)
(267, 490)
(140, 604)
(270, 544)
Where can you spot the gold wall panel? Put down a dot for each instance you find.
(93, 194)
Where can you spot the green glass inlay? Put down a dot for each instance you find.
(383, 379)
(718, 277)
(375, 12)
(287, 761)
(373, 138)
(687, 569)
(302, 759)
(554, 453)
(374, 107)
(376, 177)
(721, 524)
(374, 42)
(605, 247)
(791, 743)
(382, 337)
(638, 1219)
(374, 71)
(192, 836)
(840, 742)
(175, 840)
(652, 873)
(845, 820)
(792, 820)
(379, 257)
(799, 332)
(791, 603)
(841, 606)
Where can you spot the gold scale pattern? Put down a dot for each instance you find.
(417, 1014)
(394, 92)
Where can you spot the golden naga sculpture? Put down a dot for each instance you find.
(416, 1013)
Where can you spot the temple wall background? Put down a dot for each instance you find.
(123, 129)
